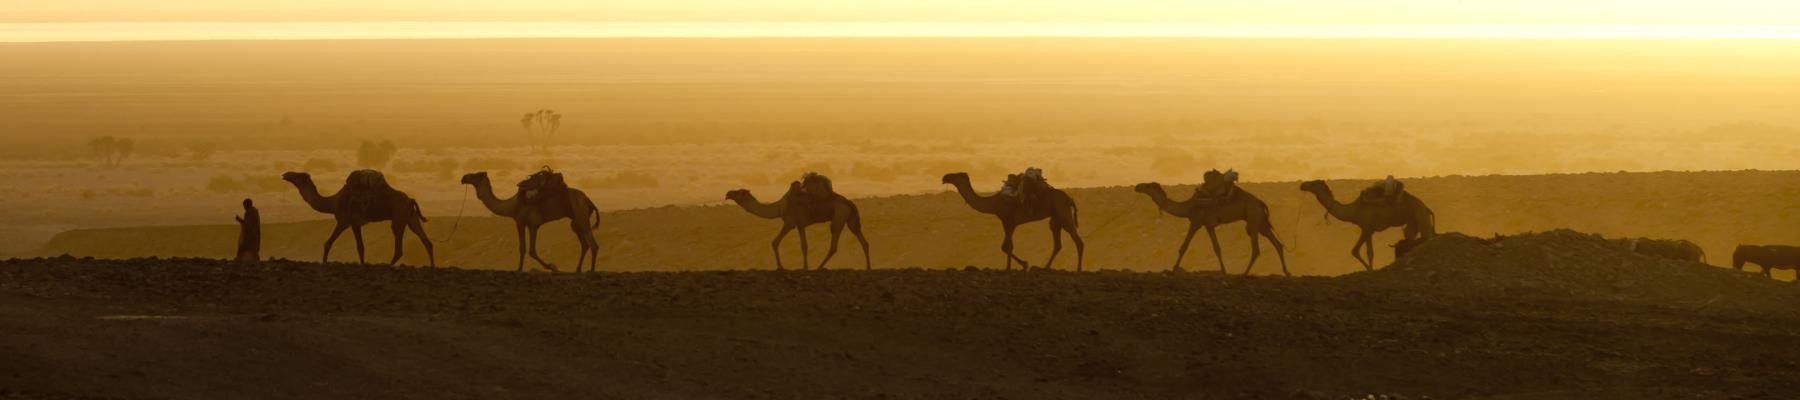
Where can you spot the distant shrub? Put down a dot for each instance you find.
(623, 180)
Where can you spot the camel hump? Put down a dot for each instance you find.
(368, 181)
(818, 185)
(1389, 192)
(545, 181)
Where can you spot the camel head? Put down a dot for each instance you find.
(475, 178)
(1315, 186)
(297, 178)
(956, 178)
(1149, 188)
(738, 195)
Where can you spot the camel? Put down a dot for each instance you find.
(529, 217)
(1242, 207)
(1052, 204)
(392, 205)
(1371, 217)
(1768, 257)
(797, 210)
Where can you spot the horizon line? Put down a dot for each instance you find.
(48, 32)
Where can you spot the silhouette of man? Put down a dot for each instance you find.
(249, 234)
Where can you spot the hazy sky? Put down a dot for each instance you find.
(1705, 12)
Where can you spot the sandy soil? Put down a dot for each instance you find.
(1557, 315)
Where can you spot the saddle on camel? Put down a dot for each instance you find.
(542, 185)
(1022, 186)
(1217, 187)
(367, 192)
(1387, 191)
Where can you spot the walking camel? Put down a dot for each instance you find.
(529, 217)
(797, 210)
(1052, 204)
(365, 198)
(1241, 207)
(1371, 217)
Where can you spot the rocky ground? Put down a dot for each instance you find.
(1553, 315)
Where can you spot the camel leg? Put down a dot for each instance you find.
(1055, 244)
(335, 231)
(399, 247)
(1280, 251)
(805, 259)
(419, 229)
(533, 235)
(520, 227)
(1193, 227)
(1218, 254)
(856, 229)
(1356, 251)
(1007, 247)
(1369, 248)
(356, 231)
(1080, 248)
(776, 244)
(837, 230)
(586, 237)
(1255, 248)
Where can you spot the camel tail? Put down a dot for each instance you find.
(1074, 215)
(594, 212)
(419, 213)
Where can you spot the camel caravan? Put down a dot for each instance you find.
(544, 197)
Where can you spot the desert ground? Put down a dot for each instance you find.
(1554, 315)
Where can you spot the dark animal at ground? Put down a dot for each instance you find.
(1767, 257)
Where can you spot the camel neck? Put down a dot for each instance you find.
(983, 204)
(1332, 206)
(502, 207)
(1180, 209)
(310, 193)
(760, 209)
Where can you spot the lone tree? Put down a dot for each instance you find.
(110, 150)
(374, 155)
(540, 127)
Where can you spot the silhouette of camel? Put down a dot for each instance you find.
(797, 211)
(1051, 203)
(385, 204)
(529, 217)
(1242, 207)
(1370, 217)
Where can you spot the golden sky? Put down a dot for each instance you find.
(1636, 12)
